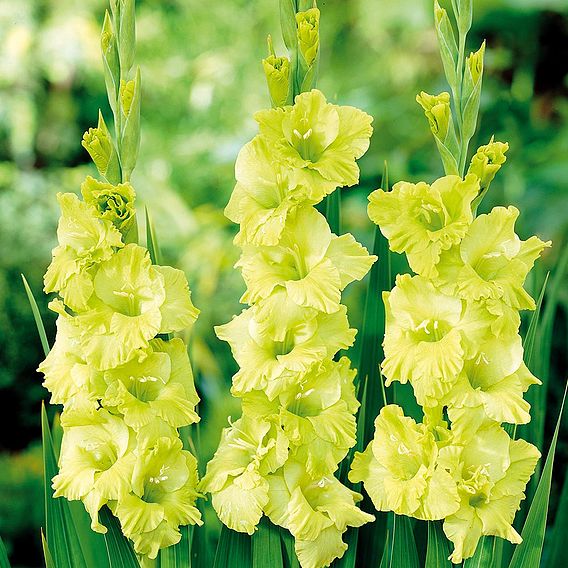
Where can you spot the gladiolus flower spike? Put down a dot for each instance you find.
(125, 384)
(452, 332)
(298, 402)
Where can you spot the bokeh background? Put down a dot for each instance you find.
(202, 81)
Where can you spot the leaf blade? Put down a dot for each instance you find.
(37, 316)
(529, 552)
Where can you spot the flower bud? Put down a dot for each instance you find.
(437, 111)
(112, 202)
(487, 162)
(110, 60)
(126, 95)
(97, 141)
(308, 34)
(277, 72)
(474, 64)
(130, 136)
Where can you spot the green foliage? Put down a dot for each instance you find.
(60, 533)
(4, 562)
(438, 549)
(267, 546)
(529, 552)
(233, 550)
(119, 548)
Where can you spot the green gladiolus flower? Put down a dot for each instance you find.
(162, 498)
(124, 312)
(132, 302)
(177, 311)
(85, 240)
(422, 220)
(429, 336)
(308, 34)
(491, 472)
(112, 202)
(67, 374)
(273, 359)
(491, 262)
(158, 386)
(321, 138)
(316, 511)
(399, 469)
(236, 476)
(96, 461)
(316, 414)
(267, 191)
(310, 262)
(494, 382)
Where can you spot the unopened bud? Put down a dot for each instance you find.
(487, 161)
(308, 34)
(98, 143)
(277, 72)
(437, 111)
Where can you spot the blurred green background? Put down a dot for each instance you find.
(202, 81)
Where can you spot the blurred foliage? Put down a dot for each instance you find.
(202, 82)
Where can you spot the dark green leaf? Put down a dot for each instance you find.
(288, 550)
(529, 552)
(4, 562)
(557, 552)
(37, 317)
(266, 546)
(120, 551)
(529, 341)
(438, 549)
(233, 550)
(484, 554)
(400, 550)
(179, 555)
(333, 211)
(60, 530)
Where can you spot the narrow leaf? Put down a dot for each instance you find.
(266, 546)
(233, 550)
(179, 555)
(333, 211)
(59, 527)
(483, 556)
(119, 550)
(151, 243)
(48, 557)
(37, 317)
(400, 551)
(529, 552)
(557, 551)
(288, 550)
(438, 549)
(4, 562)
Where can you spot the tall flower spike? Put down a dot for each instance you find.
(452, 331)
(125, 390)
(298, 403)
